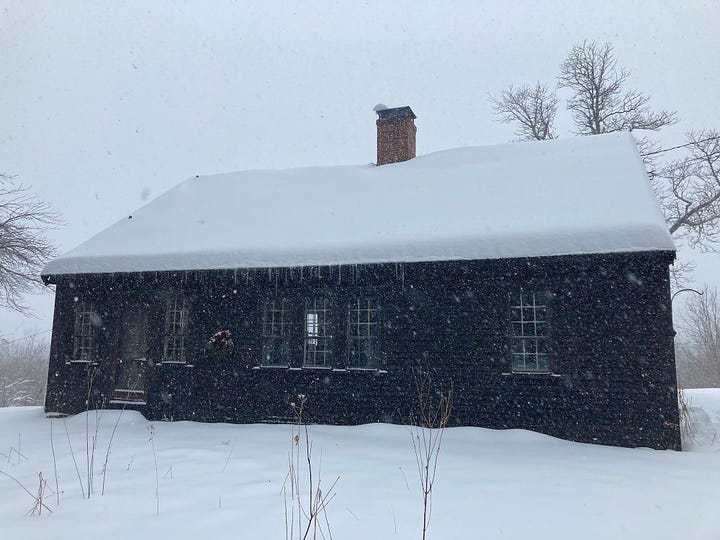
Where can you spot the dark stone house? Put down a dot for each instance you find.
(533, 277)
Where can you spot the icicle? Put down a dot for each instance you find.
(339, 274)
(235, 276)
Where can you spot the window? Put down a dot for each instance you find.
(276, 333)
(84, 345)
(176, 319)
(317, 333)
(363, 334)
(529, 334)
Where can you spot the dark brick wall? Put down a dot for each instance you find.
(611, 337)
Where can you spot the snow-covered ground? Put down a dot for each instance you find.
(219, 481)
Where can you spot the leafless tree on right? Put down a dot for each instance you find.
(531, 109)
(699, 363)
(600, 101)
(689, 191)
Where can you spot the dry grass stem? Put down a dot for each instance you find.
(427, 430)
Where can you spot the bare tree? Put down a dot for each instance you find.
(24, 248)
(23, 372)
(531, 109)
(700, 326)
(600, 102)
(689, 190)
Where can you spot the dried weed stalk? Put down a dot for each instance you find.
(151, 429)
(427, 426)
(38, 498)
(687, 420)
(302, 516)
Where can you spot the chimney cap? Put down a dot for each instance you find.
(397, 112)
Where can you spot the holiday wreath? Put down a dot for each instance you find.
(221, 343)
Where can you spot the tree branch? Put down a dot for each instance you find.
(24, 248)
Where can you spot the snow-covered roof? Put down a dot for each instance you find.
(567, 196)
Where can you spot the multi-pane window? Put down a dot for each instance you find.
(317, 330)
(176, 321)
(363, 333)
(276, 333)
(529, 333)
(84, 345)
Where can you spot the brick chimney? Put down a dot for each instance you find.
(395, 134)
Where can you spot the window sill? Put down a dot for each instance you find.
(318, 368)
(534, 374)
(365, 370)
(271, 367)
(322, 368)
(127, 402)
(158, 364)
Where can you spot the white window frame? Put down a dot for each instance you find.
(529, 334)
(176, 322)
(317, 334)
(84, 338)
(276, 322)
(364, 332)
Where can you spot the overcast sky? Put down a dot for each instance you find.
(105, 105)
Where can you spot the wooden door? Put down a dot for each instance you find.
(130, 373)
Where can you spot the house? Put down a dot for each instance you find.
(533, 277)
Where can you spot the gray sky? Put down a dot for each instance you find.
(105, 105)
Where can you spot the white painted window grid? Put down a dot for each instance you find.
(176, 317)
(363, 331)
(84, 332)
(363, 318)
(529, 334)
(276, 323)
(317, 333)
(276, 319)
